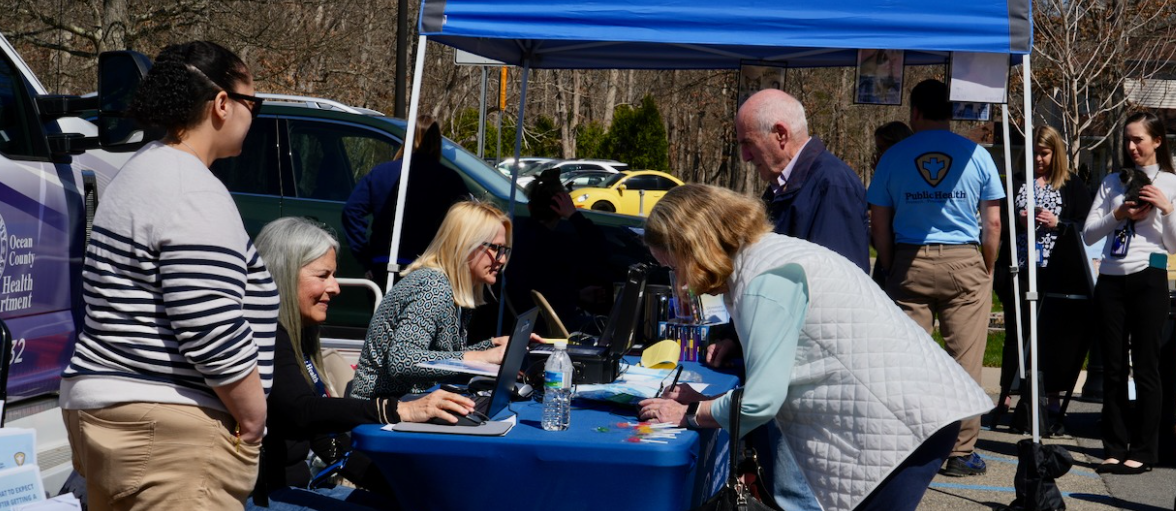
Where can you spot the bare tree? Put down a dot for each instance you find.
(1084, 51)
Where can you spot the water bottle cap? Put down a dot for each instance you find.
(561, 343)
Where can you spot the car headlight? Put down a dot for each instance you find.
(582, 198)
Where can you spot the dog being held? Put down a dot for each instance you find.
(1133, 181)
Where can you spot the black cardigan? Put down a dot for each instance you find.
(1076, 202)
(299, 419)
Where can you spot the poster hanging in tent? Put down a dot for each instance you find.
(879, 77)
(979, 77)
(971, 111)
(759, 76)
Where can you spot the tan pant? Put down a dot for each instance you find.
(949, 282)
(150, 456)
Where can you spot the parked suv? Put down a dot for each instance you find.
(303, 156)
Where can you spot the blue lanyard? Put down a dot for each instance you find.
(314, 377)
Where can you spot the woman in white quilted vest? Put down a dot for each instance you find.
(864, 406)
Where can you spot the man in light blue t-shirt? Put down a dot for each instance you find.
(935, 221)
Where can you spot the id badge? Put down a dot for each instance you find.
(1120, 242)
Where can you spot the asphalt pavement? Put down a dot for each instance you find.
(1082, 488)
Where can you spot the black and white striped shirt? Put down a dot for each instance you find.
(177, 299)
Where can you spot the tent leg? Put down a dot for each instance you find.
(514, 179)
(409, 140)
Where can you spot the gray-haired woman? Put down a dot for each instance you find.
(305, 412)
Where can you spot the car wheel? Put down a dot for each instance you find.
(604, 206)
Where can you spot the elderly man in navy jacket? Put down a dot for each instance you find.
(811, 194)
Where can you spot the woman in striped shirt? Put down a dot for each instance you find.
(164, 398)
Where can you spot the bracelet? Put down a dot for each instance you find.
(692, 416)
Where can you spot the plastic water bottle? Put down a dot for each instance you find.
(557, 389)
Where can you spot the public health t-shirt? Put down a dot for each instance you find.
(934, 180)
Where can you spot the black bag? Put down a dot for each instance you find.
(737, 495)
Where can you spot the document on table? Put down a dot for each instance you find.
(462, 366)
(489, 428)
(636, 384)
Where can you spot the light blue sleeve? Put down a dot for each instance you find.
(769, 319)
(992, 189)
(877, 194)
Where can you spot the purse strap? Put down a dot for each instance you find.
(736, 411)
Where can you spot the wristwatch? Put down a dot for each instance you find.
(691, 416)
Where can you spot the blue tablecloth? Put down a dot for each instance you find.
(591, 466)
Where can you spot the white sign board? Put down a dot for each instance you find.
(979, 77)
(465, 58)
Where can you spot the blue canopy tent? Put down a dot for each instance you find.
(709, 34)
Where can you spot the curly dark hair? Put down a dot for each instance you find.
(185, 77)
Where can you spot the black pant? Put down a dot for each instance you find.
(1134, 308)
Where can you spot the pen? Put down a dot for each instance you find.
(675, 382)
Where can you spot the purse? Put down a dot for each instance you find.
(744, 487)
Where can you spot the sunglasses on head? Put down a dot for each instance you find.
(254, 102)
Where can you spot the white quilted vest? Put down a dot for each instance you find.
(869, 385)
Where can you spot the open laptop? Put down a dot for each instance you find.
(599, 361)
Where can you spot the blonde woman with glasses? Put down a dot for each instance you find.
(427, 314)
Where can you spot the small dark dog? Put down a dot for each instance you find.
(1133, 181)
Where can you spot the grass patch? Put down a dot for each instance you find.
(993, 350)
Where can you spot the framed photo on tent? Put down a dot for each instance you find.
(759, 76)
(879, 77)
(964, 111)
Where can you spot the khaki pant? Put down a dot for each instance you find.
(949, 282)
(150, 456)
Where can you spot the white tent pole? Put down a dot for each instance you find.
(1012, 233)
(514, 180)
(409, 140)
(1031, 245)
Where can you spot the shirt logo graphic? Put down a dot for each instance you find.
(933, 167)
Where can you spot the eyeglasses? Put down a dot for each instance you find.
(501, 252)
(254, 102)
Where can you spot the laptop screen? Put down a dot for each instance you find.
(622, 320)
(512, 361)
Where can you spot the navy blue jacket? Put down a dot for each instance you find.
(824, 203)
(432, 188)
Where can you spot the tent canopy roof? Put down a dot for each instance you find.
(710, 34)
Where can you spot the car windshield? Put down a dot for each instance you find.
(614, 179)
(538, 169)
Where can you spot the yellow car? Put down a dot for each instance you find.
(632, 192)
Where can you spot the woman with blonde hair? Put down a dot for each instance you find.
(305, 412)
(815, 331)
(426, 315)
(1061, 203)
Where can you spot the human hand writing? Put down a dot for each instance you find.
(662, 410)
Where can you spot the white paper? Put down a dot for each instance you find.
(67, 502)
(462, 366)
(979, 77)
(20, 486)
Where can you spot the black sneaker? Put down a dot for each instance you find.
(960, 466)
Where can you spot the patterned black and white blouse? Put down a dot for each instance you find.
(417, 321)
(1049, 199)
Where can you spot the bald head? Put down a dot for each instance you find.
(771, 129)
(768, 107)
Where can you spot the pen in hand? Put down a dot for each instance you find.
(677, 375)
